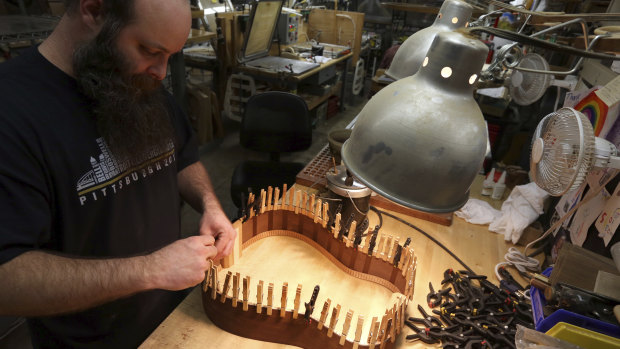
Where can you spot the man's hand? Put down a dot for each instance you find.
(181, 264)
(73, 284)
(196, 188)
(215, 223)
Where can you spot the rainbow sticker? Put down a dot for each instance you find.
(595, 109)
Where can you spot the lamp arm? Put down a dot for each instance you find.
(568, 72)
(567, 23)
(525, 39)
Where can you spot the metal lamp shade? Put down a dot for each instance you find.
(421, 140)
(453, 14)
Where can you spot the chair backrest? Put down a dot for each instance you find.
(276, 122)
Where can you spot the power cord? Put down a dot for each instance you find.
(425, 234)
(520, 261)
(523, 262)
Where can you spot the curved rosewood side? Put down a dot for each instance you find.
(306, 220)
(273, 328)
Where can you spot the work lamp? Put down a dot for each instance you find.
(421, 140)
(452, 15)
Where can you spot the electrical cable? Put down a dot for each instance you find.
(520, 261)
(427, 235)
(591, 194)
(378, 213)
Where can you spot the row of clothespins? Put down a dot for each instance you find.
(380, 333)
(388, 248)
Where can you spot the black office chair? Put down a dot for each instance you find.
(274, 122)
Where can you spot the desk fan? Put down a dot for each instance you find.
(564, 150)
(526, 87)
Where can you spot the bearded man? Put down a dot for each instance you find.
(94, 154)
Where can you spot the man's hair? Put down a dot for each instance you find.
(121, 9)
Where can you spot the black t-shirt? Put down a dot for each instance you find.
(61, 190)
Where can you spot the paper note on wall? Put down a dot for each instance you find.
(608, 221)
(585, 216)
(598, 176)
(569, 200)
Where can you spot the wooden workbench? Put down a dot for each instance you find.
(279, 259)
(293, 80)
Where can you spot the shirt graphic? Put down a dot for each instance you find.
(109, 175)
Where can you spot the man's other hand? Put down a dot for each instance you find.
(215, 223)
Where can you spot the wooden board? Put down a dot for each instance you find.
(313, 175)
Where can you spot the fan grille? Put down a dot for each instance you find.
(533, 85)
(568, 146)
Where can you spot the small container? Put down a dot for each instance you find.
(488, 183)
(499, 187)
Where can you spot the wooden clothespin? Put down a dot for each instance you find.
(270, 298)
(304, 202)
(235, 289)
(386, 248)
(276, 199)
(284, 201)
(324, 312)
(367, 242)
(333, 320)
(374, 331)
(205, 282)
(283, 299)
(358, 331)
(324, 216)
(381, 335)
(394, 249)
(337, 226)
(246, 291)
(297, 201)
(311, 208)
(269, 198)
(297, 301)
(410, 261)
(226, 287)
(263, 197)
(404, 259)
(379, 247)
(317, 210)
(345, 327)
(259, 297)
(214, 285)
(251, 199)
(393, 328)
(403, 313)
(351, 235)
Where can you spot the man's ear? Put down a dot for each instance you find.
(91, 12)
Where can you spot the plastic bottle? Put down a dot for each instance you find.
(488, 183)
(499, 187)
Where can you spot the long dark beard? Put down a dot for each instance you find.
(130, 110)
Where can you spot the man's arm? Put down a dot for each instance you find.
(37, 283)
(196, 188)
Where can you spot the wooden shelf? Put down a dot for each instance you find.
(314, 101)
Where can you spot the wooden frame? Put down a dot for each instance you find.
(305, 218)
